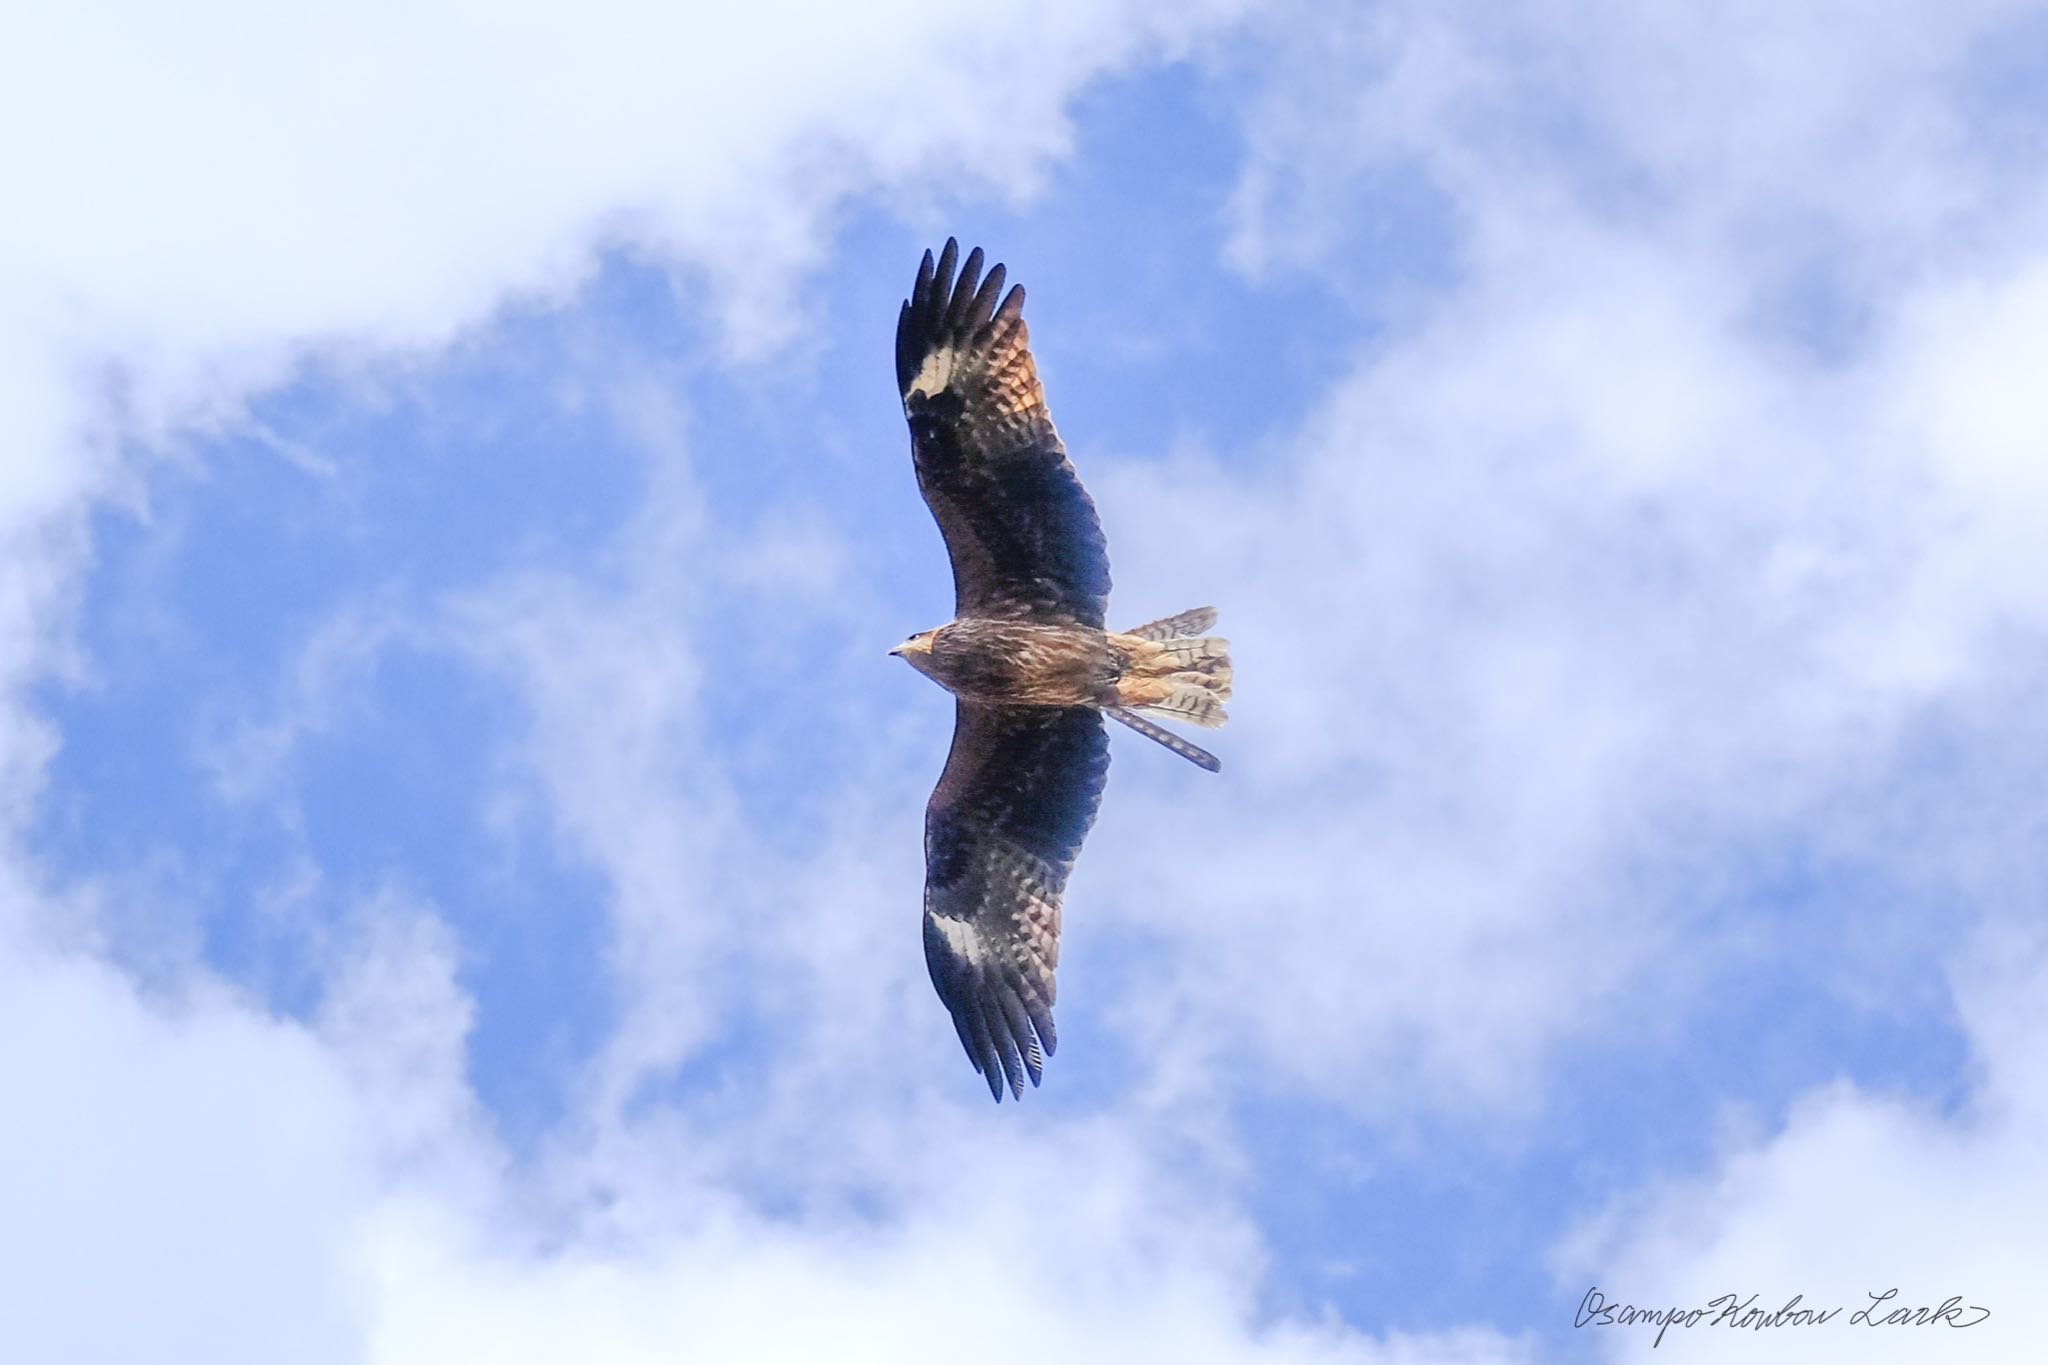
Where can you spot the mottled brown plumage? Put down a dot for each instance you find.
(1026, 657)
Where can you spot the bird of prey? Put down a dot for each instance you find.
(1031, 667)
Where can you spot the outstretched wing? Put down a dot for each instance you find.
(1021, 531)
(1000, 834)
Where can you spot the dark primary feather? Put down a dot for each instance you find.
(1021, 531)
(1001, 832)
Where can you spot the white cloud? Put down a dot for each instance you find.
(398, 1023)
(1961, 390)
(391, 175)
(180, 1179)
(989, 1282)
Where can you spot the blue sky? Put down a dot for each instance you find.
(460, 858)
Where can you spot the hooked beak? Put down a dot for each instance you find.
(896, 653)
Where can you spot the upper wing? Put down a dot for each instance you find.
(1020, 529)
(1000, 834)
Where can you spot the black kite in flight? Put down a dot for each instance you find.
(1028, 660)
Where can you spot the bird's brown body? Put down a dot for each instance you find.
(1021, 663)
(1040, 663)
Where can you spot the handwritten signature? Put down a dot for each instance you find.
(1597, 1310)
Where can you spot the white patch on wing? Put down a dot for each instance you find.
(960, 937)
(936, 374)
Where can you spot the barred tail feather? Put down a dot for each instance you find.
(1181, 676)
(1202, 664)
(1193, 753)
(1191, 622)
(1204, 653)
(1183, 701)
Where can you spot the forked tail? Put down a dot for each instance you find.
(1176, 672)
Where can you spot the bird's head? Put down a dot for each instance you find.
(917, 648)
(917, 651)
